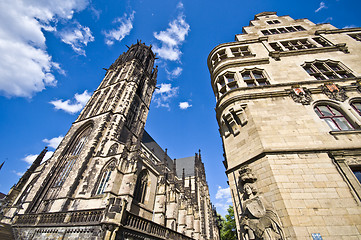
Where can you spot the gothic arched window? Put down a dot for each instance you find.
(141, 186)
(110, 98)
(104, 177)
(72, 156)
(334, 118)
(100, 102)
(90, 105)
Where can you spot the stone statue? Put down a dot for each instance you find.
(258, 219)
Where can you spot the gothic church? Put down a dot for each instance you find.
(109, 179)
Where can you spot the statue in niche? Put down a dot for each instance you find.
(258, 220)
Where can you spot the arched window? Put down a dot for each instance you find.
(357, 106)
(72, 156)
(110, 98)
(90, 105)
(335, 119)
(100, 102)
(141, 186)
(104, 177)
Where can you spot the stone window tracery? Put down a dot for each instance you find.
(90, 105)
(254, 77)
(100, 102)
(105, 177)
(327, 70)
(141, 186)
(226, 83)
(334, 118)
(72, 156)
(110, 98)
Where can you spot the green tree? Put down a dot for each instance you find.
(229, 230)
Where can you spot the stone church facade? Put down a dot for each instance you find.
(289, 112)
(109, 179)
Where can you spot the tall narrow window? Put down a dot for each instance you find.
(110, 98)
(100, 102)
(141, 186)
(327, 70)
(105, 177)
(90, 105)
(72, 156)
(333, 117)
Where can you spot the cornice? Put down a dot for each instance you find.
(220, 106)
(332, 31)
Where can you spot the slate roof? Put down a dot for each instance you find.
(153, 146)
(188, 165)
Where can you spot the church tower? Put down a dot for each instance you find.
(288, 107)
(90, 168)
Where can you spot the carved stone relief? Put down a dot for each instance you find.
(258, 220)
(301, 95)
(334, 91)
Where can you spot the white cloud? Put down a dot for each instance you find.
(18, 173)
(180, 5)
(77, 37)
(172, 38)
(54, 142)
(69, 107)
(224, 199)
(117, 34)
(351, 26)
(174, 73)
(31, 157)
(22, 43)
(322, 6)
(223, 193)
(184, 105)
(163, 94)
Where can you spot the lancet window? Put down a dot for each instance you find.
(141, 186)
(105, 177)
(100, 102)
(72, 156)
(90, 105)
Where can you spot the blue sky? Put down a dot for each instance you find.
(53, 52)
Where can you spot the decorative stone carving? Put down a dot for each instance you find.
(334, 91)
(301, 95)
(258, 220)
(113, 149)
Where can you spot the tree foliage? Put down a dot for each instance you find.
(229, 230)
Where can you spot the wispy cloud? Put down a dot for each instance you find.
(174, 73)
(54, 142)
(72, 106)
(77, 37)
(117, 34)
(184, 105)
(223, 201)
(172, 38)
(322, 6)
(163, 94)
(18, 173)
(31, 157)
(351, 26)
(23, 43)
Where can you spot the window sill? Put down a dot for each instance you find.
(344, 132)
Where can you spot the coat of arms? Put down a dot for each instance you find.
(334, 91)
(301, 95)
